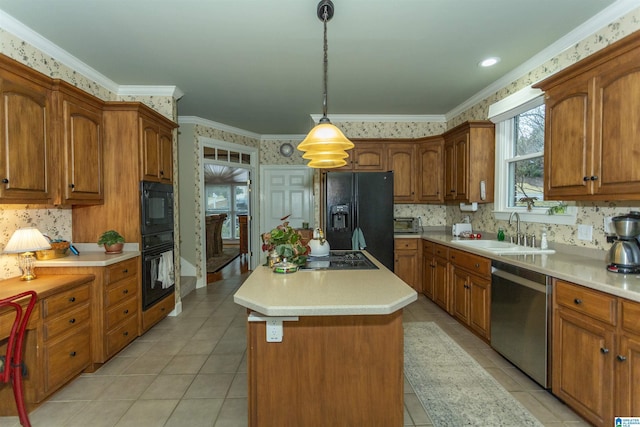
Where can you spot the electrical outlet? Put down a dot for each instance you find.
(585, 232)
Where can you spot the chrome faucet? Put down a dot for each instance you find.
(518, 235)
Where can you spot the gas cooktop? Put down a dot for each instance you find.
(340, 260)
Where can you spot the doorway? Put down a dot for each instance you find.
(226, 204)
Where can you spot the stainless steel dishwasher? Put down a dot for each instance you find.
(520, 319)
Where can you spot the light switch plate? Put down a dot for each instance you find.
(585, 232)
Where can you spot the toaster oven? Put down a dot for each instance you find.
(406, 225)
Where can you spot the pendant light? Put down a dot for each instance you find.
(325, 145)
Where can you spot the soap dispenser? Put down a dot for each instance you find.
(543, 239)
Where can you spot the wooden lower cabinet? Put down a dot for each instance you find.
(157, 312)
(596, 353)
(115, 305)
(407, 261)
(327, 371)
(441, 288)
(471, 290)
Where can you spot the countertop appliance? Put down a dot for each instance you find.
(358, 213)
(520, 319)
(624, 254)
(459, 228)
(340, 260)
(406, 224)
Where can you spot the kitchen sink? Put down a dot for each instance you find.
(501, 248)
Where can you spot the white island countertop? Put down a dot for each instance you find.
(325, 292)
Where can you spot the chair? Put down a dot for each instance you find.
(11, 366)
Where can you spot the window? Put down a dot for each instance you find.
(230, 199)
(519, 185)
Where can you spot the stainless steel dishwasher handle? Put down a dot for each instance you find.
(538, 287)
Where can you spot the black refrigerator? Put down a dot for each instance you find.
(364, 201)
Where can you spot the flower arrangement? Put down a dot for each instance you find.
(286, 242)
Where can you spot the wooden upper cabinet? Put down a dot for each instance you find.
(156, 144)
(591, 134)
(81, 136)
(430, 170)
(469, 162)
(366, 156)
(26, 146)
(401, 160)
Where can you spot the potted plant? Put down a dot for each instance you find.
(112, 242)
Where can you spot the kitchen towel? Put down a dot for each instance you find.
(165, 269)
(357, 240)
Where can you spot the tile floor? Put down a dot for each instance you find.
(190, 371)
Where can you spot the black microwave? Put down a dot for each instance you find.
(156, 207)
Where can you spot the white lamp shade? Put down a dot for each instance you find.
(26, 239)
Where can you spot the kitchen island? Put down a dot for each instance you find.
(333, 352)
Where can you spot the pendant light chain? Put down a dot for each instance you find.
(326, 64)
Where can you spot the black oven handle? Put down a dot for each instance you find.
(151, 254)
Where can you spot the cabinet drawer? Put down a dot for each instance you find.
(121, 291)
(127, 309)
(118, 338)
(406, 244)
(471, 262)
(65, 300)
(121, 270)
(441, 251)
(66, 358)
(428, 247)
(586, 301)
(157, 312)
(630, 317)
(66, 321)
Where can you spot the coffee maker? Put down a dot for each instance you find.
(624, 254)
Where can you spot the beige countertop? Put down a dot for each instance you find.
(91, 255)
(325, 293)
(586, 271)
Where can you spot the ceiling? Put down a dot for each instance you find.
(257, 65)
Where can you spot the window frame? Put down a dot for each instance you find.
(502, 113)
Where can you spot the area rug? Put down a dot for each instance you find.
(453, 388)
(217, 262)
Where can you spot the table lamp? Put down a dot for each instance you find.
(24, 242)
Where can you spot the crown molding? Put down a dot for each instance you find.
(588, 28)
(141, 90)
(194, 120)
(342, 118)
(292, 137)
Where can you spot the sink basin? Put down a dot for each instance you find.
(501, 248)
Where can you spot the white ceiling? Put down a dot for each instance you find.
(257, 65)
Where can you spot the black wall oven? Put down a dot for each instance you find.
(158, 278)
(156, 202)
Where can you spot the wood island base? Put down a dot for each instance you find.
(342, 370)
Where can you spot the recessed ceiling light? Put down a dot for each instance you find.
(489, 62)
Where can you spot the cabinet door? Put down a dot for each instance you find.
(440, 282)
(83, 153)
(461, 144)
(428, 270)
(480, 305)
(369, 157)
(25, 146)
(400, 158)
(460, 294)
(150, 150)
(628, 376)
(166, 157)
(617, 99)
(568, 136)
(583, 363)
(449, 170)
(430, 172)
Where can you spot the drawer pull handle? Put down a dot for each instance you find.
(126, 291)
(72, 299)
(126, 311)
(125, 334)
(604, 350)
(72, 320)
(126, 270)
(72, 354)
(577, 301)
(477, 265)
(621, 358)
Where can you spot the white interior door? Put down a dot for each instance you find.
(287, 190)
